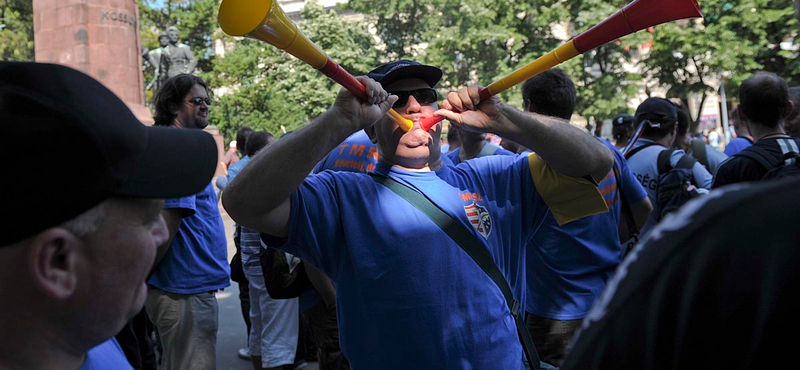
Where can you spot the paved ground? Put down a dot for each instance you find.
(232, 333)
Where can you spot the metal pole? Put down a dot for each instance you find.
(724, 104)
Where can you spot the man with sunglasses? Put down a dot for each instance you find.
(193, 264)
(408, 297)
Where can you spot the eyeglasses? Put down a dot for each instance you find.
(198, 100)
(423, 96)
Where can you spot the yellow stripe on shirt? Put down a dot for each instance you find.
(569, 198)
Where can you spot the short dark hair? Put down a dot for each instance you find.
(550, 93)
(169, 97)
(242, 136)
(763, 99)
(684, 121)
(258, 140)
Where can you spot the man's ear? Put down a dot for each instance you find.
(53, 261)
(789, 111)
(373, 137)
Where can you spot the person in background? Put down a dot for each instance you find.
(237, 273)
(86, 214)
(193, 264)
(742, 139)
(707, 155)
(792, 123)
(568, 265)
(765, 105)
(622, 130)
(660, 117)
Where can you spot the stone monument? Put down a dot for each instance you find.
(159, 60)
(98, 37)
(181, 59)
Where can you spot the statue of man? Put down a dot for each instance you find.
(180, 55)
(159, 59)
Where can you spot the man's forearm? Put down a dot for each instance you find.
(564, 147)
(278, 170)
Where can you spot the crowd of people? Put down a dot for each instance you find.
(554, 249)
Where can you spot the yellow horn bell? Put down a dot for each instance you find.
(266, 21)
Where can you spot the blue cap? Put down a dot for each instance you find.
(402, 69)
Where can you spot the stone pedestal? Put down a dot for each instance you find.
(98, 37)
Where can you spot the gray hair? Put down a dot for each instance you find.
(87, 222)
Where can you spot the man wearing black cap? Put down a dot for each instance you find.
(85, 222)
(193, 265)
(408, 296)
(660, 118)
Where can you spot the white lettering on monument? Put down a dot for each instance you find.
(113, 15)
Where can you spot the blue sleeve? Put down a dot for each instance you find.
(187, 205)
(315, 224)
(702, 176)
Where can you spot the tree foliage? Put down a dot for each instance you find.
(196, 21)
(735, 39)
(16, 30)
(274, 89)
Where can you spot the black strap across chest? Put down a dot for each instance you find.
(466, 240)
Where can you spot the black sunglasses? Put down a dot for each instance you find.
(423, 96)
(198, 100)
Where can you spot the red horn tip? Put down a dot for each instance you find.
(634, 17)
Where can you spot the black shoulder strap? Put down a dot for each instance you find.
(477, 252)
(638, 149)
(699, 152)
(760, 156)
(664, 165)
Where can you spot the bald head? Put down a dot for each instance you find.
(764, 99)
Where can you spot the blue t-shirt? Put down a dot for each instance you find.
(106, 356)
(737, 145)
(568, 266)
(234, 169)
(356, 154)
(487, 150)
(197, 259)
(405, 290)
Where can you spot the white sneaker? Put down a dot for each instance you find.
(244, 354)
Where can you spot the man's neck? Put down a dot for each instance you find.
(33, 352)
(760, 132)
(663, 141)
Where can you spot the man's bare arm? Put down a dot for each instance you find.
(641, 211)
(259, 197)
(173, 219)
(564, 147)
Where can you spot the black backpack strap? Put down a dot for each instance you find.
(699, 152)
(664, 165)
(638, 149)
(760, 156)
(475, 250)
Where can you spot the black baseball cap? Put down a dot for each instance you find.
(622, 119)
(656, 111)
(404, 68)
(73, 144)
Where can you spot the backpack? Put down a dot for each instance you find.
(699, 152)
(777, 168)
(674, 183)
